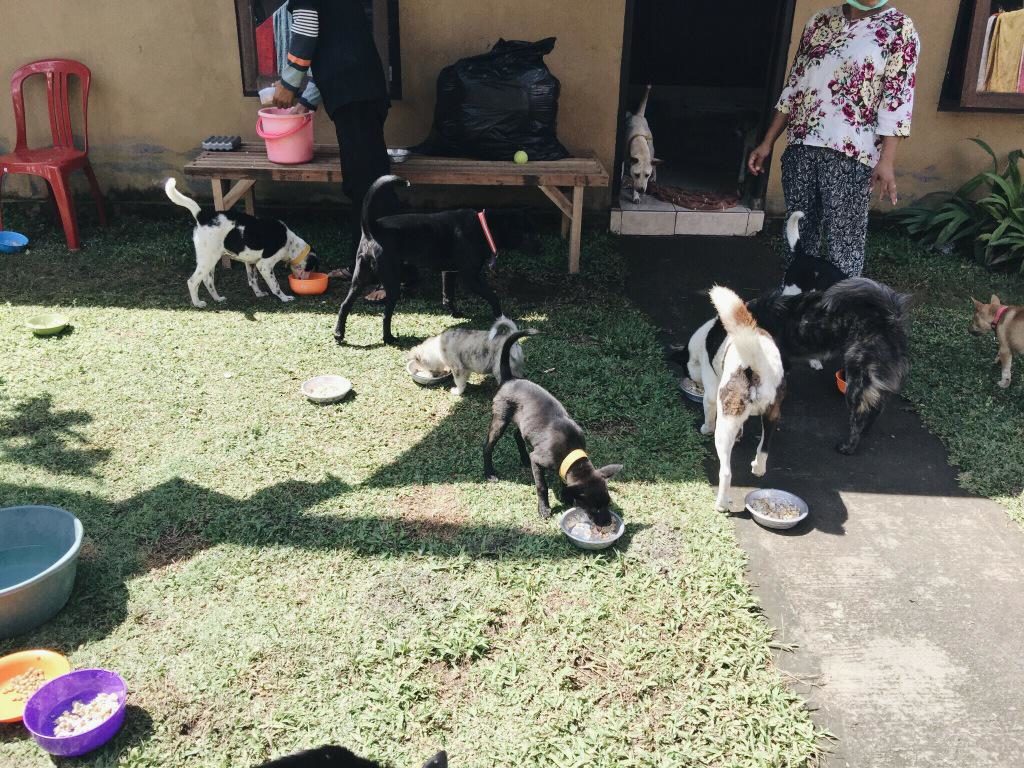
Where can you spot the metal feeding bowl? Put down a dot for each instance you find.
(757, 503)
(426, 378)
(575, 523)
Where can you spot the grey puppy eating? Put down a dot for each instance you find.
(463, 351)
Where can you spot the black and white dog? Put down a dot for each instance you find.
(462, 241)
(260, 244)
(805, 272)
(339, 757)
(859, 321)
(556, 443)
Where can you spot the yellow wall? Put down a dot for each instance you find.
(935, 157)
(167, 76)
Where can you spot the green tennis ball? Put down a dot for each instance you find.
(521, 157)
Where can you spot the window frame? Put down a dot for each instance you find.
(385, 33)
(967, 97)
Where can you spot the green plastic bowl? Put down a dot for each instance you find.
(49, 324)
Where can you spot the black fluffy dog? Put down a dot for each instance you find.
(556, 441)
(339, 757)
(449, 241)
(858, 320)
(806, 273)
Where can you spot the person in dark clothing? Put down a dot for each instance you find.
(332, 41)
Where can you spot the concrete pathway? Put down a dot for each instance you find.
(902, 597)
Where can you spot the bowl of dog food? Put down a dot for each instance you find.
(427, 378)
(841, 382)
(47, 324)
(779, 510)
(24, 673)
(308, 283)
(12, 242)
(325, 390)
(78, 712)
(399, 155)
(692, 390)
(577, 525)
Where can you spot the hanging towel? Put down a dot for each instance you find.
(986, 49)
(1005, 52)
(282, 35)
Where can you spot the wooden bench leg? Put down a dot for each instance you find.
(566, 222)
(577, 231)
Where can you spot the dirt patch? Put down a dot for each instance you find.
(431, 512)
(89, 551)
(173, 546)
(614, 428)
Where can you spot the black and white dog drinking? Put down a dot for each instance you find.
(805, 272)
(555, 441)
(260, 244)
(461, 240)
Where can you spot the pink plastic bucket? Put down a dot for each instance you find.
(289, 137)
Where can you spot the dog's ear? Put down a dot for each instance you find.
(977, 304)
(994, 300)
(609, 471)
(657, 161)
(634, 160)
(440, 760)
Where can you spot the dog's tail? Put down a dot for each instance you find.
(642, 111)
(171, 188)
(501, 324)
(793, 229)
(377, 186)
(740, 325)
(506, 351)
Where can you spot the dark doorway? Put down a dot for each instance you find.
(717, 69)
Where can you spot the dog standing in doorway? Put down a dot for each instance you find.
(640, 149)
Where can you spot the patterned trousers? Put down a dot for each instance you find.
(833, 190)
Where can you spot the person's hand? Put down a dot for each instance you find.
(758, 157)
(283, 98)
(884, 179)
(299, 109)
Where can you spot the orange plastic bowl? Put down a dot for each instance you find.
(314, 284)
(51, 664)
(841, 382)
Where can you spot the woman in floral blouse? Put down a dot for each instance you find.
(848, 102)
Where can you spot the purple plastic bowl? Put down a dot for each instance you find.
(57, 696)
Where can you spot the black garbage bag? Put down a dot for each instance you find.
(493, 105)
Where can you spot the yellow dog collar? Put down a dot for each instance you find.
(569, 460)
(301, 257)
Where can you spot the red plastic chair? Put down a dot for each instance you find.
(54, 163)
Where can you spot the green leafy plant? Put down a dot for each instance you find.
(991, 220)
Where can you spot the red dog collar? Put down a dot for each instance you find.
(999, 316)
(482, 216)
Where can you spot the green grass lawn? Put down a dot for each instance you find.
(269, 575)
(953, 380)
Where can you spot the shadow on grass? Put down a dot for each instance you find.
(35, 434)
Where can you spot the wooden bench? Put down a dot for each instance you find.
(249, 164)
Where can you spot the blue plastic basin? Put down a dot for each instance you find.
(12, 242)
(38, 559)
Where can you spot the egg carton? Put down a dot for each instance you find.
(222, 143)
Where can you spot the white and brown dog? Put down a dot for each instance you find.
(640, 149)
(742, 376)
(260, 244)
(1006, 321)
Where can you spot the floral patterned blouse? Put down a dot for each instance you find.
(852, 82)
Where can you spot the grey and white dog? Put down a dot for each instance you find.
(463, 351)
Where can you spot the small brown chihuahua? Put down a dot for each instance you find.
(1007, 322)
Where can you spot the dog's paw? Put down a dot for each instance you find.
(706, 429)
(491, 478)
(636, 197)
(199, 304)
(815, 364)
(1004, 383)
(759, 467)
(221, 299)
(390, 340)
(544, 512)
(456, 391)
(846, 448)
(339, 339)
(723, 505)
(285, 298)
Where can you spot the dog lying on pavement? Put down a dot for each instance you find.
(1006, 321)
(556, 443)
(260, 244)
(463, 351)
(462, 241)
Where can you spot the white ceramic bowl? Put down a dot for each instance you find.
(778, 496)
(326, 389)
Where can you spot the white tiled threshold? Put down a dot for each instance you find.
(656, 217)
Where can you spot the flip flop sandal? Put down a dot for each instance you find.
(366, 296)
